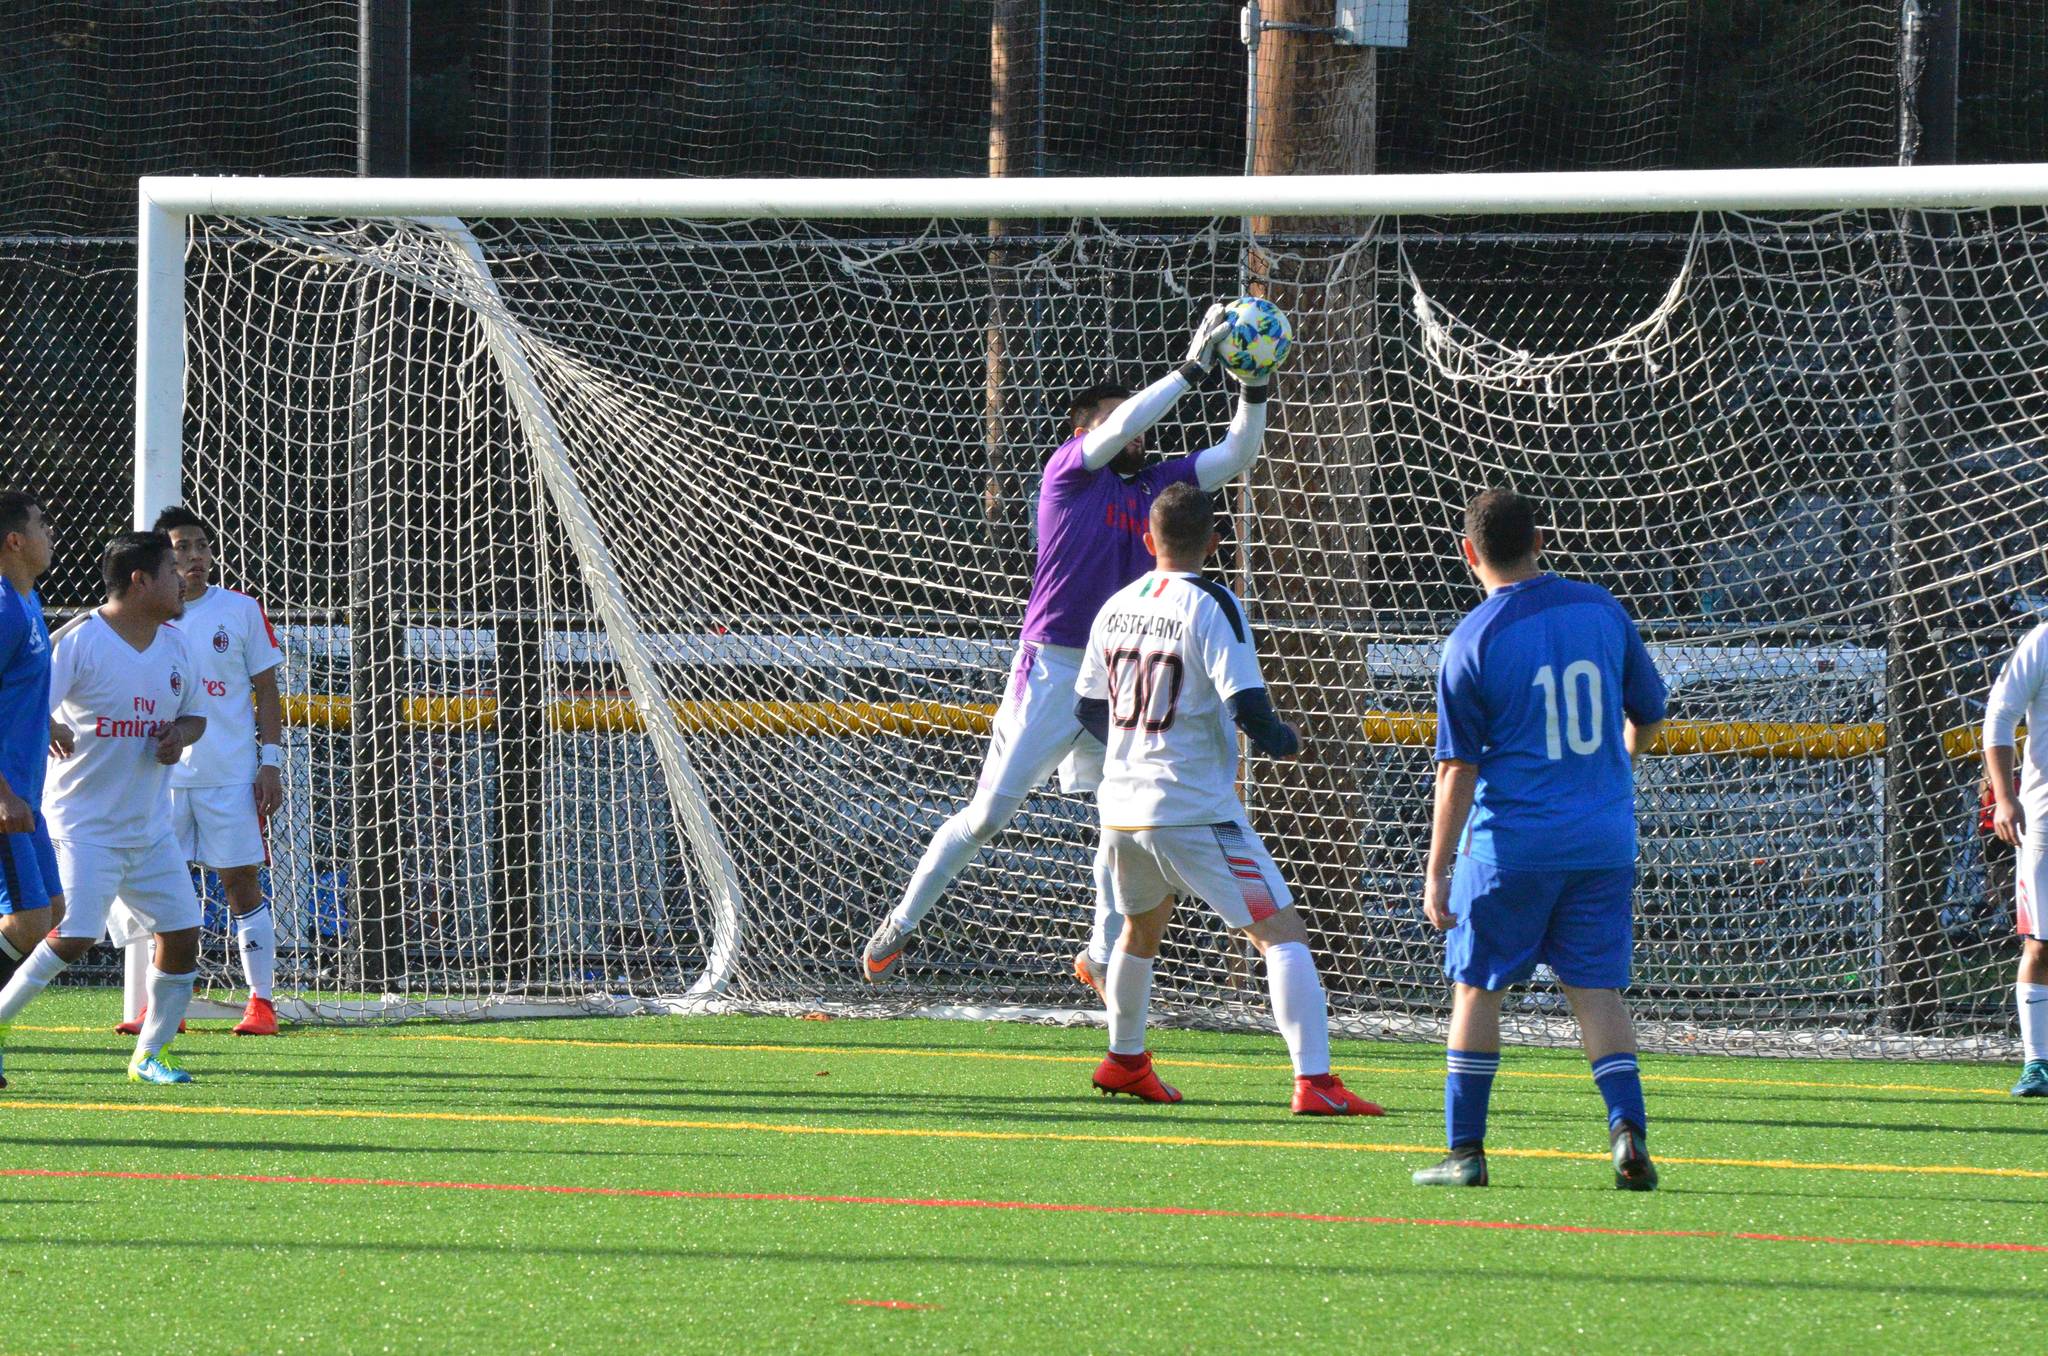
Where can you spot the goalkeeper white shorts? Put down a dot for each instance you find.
(1223, 865)
(218, 826)
(152, 885)
(2030, 886)
(1036, 730)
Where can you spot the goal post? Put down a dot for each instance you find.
(735, 431)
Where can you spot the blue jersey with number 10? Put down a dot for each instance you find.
(1533, 688)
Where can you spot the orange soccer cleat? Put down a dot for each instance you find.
(1132, 1075)
(134, 1028)
(1326, 1095)
(1089, 973)
(259, 1018)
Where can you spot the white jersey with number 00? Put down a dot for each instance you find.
(111, 791)
(1168, 652)
(2021, 695)
(232, 643)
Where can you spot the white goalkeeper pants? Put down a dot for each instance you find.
(1035, 732)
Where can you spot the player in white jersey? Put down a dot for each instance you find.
(124, 706)
(2021, 695)
(229, 784)
(1169, 677)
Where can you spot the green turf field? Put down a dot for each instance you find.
(754, 1184)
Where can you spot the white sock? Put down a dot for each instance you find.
(256, 937)
(1109, 924)
(958, 842)
(1127, 993)
(7, 948)
(169, 996)
(35, 974)
(2033, 1004)
(135, 977)
(1298, 1008)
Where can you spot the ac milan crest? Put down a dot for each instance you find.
(177, 683)
(220, 640)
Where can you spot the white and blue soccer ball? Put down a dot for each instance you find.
(1259, 338)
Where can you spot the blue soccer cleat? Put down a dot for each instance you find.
(2033, 1080)
(156, 1068)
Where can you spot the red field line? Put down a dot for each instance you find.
(889, 1304)
(1051, 1207)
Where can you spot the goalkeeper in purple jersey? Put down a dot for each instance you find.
(1095, 498)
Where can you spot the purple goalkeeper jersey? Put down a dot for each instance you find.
(1091, 540)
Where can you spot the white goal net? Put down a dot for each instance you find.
(647, 576)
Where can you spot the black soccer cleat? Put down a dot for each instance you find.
(1464, 1166)
(1633, 1170)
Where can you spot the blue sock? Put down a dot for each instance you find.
(1622, 1085)
(1468, 1082)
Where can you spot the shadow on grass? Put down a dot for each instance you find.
(1363, 1270)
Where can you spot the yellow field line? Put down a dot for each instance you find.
(980, 1136)
(1432, 1070)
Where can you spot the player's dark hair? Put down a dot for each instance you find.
(1084, 402)
(1502, 526)
(1183, 520)
(14, 510)
(177, 516)
(128, 553)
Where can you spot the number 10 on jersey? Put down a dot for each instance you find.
(1584, 711)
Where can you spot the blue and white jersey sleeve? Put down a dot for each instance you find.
(1226, 650)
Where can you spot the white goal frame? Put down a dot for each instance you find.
(168, 204)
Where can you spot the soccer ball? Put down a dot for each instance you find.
(1259, 338)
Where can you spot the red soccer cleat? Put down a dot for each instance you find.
(1089, 973)
(1325, 1095)
(258, 1019)
(134, 1028)
(1132, 1074)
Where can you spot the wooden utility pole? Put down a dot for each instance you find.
(1307, 545)
(1015, 148)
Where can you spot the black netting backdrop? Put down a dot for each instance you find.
(94, 93)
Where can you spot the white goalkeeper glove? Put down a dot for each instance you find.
(1203, 343)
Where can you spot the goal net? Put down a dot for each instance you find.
(648, 559)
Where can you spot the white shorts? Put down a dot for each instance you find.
(153, 885)
(1223, 865)
(218, 826)
(1036, 729)
(2029, 887)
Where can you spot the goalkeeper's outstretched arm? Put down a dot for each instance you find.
(1101, 444)
(1218, 465)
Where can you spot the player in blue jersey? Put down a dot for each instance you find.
(31, 900)
(1544, 695)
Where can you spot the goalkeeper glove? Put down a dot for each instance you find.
(1203, 343)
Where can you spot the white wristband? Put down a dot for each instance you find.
(273, 755)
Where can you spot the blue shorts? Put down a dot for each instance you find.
(28, 869)
(1579, 923)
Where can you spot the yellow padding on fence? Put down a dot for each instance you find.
(1411, 729)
